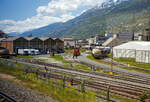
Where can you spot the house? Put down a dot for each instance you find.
(69, 42)
(100, 39)
(91, 41)
(145, 37)
(125, 36)
(81, 43)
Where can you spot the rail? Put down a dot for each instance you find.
(6, 98)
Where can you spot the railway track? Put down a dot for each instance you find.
(120, 88)
(130, 78)
(124, 65)
(146, 80)
(5, 98)
(98, 86)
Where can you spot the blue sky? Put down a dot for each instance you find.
(19, 9)
(23, 15)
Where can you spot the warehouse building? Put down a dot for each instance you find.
(14, 43)
(48, 44)
(44, 45)
(59, 45)
(140, 50)
(34, 43)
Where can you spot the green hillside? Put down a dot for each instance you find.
(124, 17)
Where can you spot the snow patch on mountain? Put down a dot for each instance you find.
(109, 3)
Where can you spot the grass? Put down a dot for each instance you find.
(21, 56)
(92, 58)
(117, 97)
(132, 62)
(98, 69)
(61, 59)
(82, 67)
(69, 51)
(68, 94)
(68, 63)
(82, 50)
(126, 61)
(78, 66)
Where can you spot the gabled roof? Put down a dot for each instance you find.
(1, 39)
(11, 38)
(135, 45)
(45, 38)
(29, 38)
(57, 39)
(67, 39)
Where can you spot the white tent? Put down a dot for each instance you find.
(140, 50)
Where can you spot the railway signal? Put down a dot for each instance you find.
(111, 74)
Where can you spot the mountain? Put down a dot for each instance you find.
(14, 34)
(50, 30)
(122, 15)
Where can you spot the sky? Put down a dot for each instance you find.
(23, 15)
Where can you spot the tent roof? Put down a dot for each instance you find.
(135, 45)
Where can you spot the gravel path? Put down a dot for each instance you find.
(21, 93)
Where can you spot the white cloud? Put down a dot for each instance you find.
(55, 11)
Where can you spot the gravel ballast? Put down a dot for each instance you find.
(21, 93)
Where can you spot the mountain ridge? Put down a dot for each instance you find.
(97, 21)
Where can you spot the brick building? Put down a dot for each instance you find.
(42, 44)
(14, 43)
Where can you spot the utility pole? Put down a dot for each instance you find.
(111, 73)
(108, 98)
(133, 27)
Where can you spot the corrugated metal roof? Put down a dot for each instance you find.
(29, 38)
(2, 39)
(11, 38)
(57, 39)
(67, 39)
(44, 38)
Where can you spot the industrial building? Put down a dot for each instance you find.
(140, 50)
(44, 44)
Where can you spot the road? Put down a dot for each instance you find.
(84, 59)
